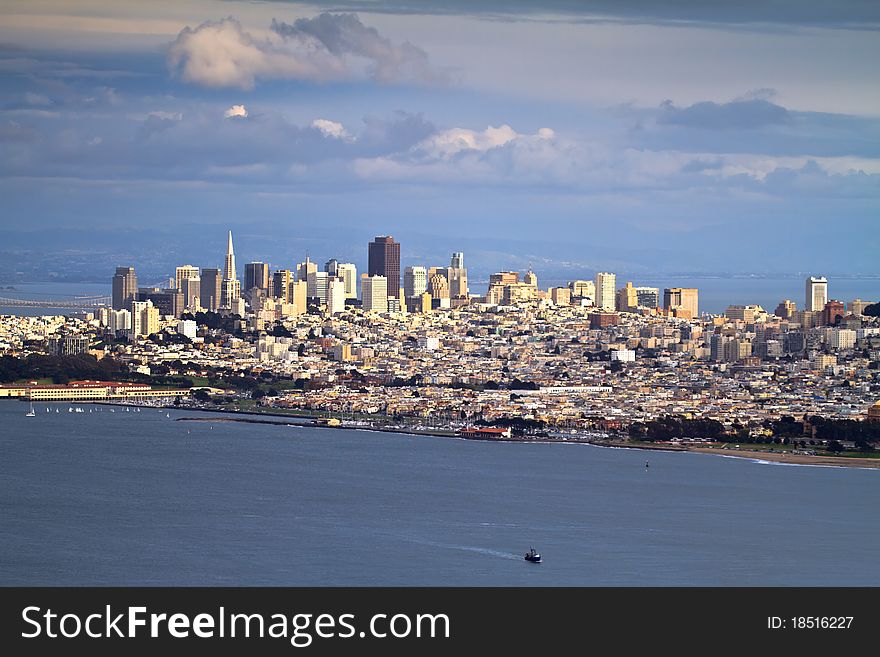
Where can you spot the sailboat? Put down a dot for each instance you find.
(31, 413)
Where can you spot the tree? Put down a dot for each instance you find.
(835, 447)
(201, 395)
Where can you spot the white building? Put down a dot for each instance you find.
(623, 355)
(335, 296)
(415, 281)
(842, 339)
(348, 273)
(187, 327)
(606, 291)
(374, 293)
(816, 294)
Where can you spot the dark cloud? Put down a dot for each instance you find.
(738, 114)
(345, 34)
(851, 14)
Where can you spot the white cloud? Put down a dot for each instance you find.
(222, 54)
(331, 129)
(328, 47)
(236, 111)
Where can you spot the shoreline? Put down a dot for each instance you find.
(308, 421)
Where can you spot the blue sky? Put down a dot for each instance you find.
(637, 136)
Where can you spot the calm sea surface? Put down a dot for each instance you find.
(141, 499)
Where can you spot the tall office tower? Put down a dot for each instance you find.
(348, 273)
(191, 291)
(530, 278)
(281, 281)
(816, 294)
(786, 309)
(212, 283)
(682, 302)
(606, 288)
(332, 267)
(627, 299)
(415, 281)
(182, 273)
(374, 293)
(120, 320)
(717, 345)
(335, 296)
(303, 270)
(457, 276)
(438, 287)
(317, 286)
(648, 297)
(125, 287)
(256, 275)
(297, 297)
(230, 290)
(384, 260)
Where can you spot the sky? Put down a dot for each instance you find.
(630, 136)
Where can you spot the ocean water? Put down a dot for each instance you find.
(130, 498)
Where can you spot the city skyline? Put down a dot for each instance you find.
(585, 134)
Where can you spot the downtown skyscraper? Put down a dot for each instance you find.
(384, 260)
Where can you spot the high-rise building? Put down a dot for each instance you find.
(438, 287)
(560, 296)
(335, 295)
(256, 275)
(374, 293)
(348, 273)
(332, 267)
(682, 302)
(384, 260)
(281, 281)
(303, 270)
(211, 287)
(191, 291)
(857, 307)
(786, 309)
(144, 318)
(648, 297)
(816, 294)
(833, 312)
(317, 286)
(184, 272)
(606, 288)
(456, 275)
(530, 278)
(627, 298)
(297, 297)
(125, 288)
(415, 281)
(230, 290)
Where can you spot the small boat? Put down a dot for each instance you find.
(47, 409)
(532, 556)
(57, 411)
(31, 413)
(167, 414)
(69, 409)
